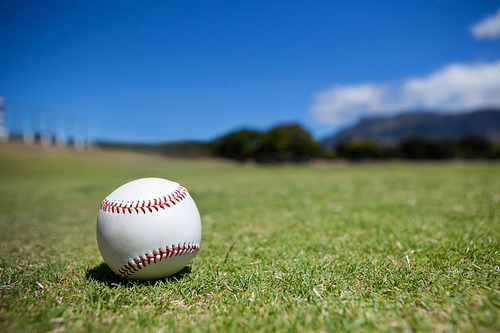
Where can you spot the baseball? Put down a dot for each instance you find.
(148, 229)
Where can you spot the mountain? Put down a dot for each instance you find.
(390, 131)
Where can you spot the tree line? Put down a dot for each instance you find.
(419, 148)
(292, 143)
(282, 143)
(287, 143)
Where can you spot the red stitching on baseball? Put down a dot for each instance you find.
(117, 206)
(138, 263)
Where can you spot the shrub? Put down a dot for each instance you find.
(240, 145)
(359, 149)
(279, 144)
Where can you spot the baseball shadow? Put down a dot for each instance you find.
(102, 273)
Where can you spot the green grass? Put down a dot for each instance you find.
(381, 247)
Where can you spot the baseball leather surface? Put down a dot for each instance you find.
(149, 228)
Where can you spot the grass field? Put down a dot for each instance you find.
(327, 247)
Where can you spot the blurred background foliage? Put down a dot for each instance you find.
(280, 144)
(292, 143)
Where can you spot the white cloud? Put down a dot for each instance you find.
(347, 103)
(455, 88)
(489, 27)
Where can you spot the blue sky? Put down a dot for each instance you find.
(159, 71)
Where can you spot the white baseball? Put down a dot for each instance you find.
(147, 229)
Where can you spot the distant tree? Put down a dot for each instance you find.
(495, 150)
(240, 145)
(475, 147)
(420, 148)
(275, 145)
(279, 144)
(288, 143)
(359, 149)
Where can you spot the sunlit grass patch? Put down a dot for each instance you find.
(383, 247)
